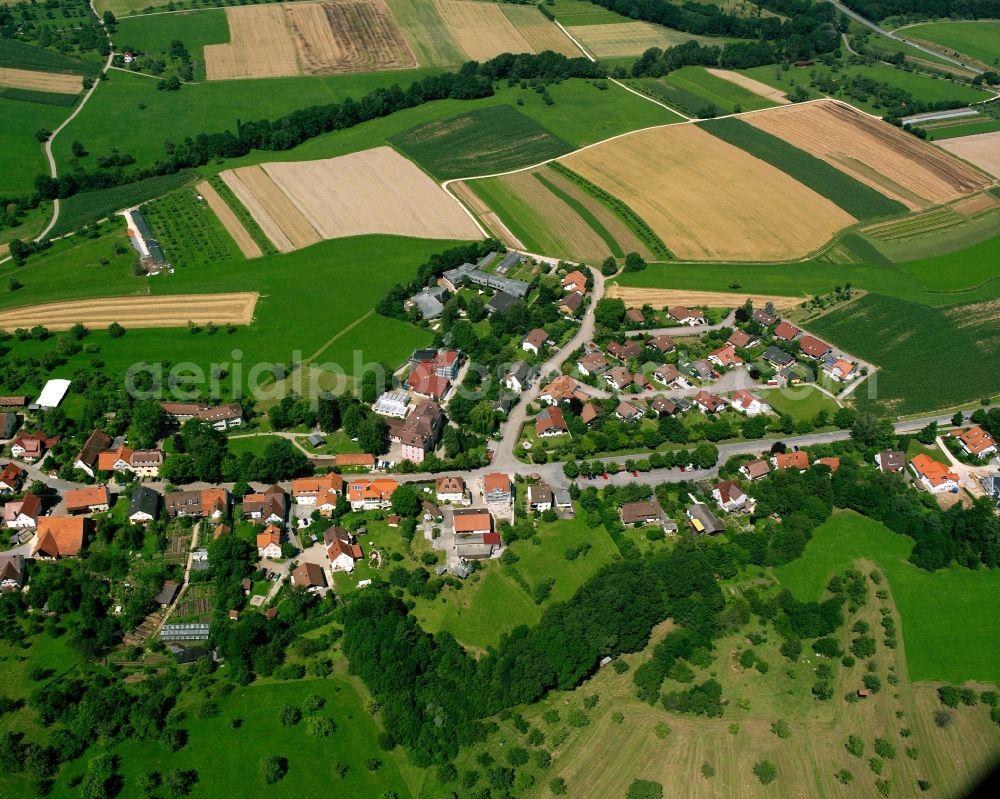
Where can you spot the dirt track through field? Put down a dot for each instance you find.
(280, 220)
(663, 298)
(147, 311)
(327, 38)
(751, 85)
(981, 149)
(229, 220)
(40, 81)
(889, 160)
(709, 200)
(373, 191)
(486, 214)
(481, 30)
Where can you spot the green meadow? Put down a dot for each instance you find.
(23, 155)
(154, 34)
(723, 94)
(922, 87)
(582, 12)
(979, 39)
(946, 633)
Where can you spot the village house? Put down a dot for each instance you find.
(839, 369)
(562, 389)
(454, 279)
(707, 402)
(764, 319)
(687, 316)
(634, 315)
(361, 460)
(633, 513)
(550, 422)
(729, 496)
(778, 358)
(450, 488)
(790, 460)
(725, 356)
(570, 305)
(741, 340)
(141, 463)
(575, 281)
(703, 369)
(31, 447)
(540, 498)
(703, 521)
(87, 460)
(167, 594)
(268, 507)
(429, 302)
(518, 377)
(144, 505)
(8, 424)
(318, 492)
(474, 536)
(592, 364)
(832, 463)
(221, 417)
(501, 301)
(935, 477)
(627, 412)
(786, 331)
(623, 352)
(976, 442)
(756, 469)
(93, 499)
(669, 375)
(662, 344)
(664, 406)
(269, 542)
(11, 478)
(366, 494)
(341, 550)
(497, 488)
(890, 462)
(59, 537)
(309, 576)
(22, 514)
(747, 404)
(813, 348)
(590, 413)
(424, 381)
(535, 341)
(392, 403)
(473, 521)
(618, 378)
(418, 435)
(12, 573)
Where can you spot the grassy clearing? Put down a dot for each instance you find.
(859, 200)
(154, 34)
(374, 339)
(956, 345)
(723, 94)
(189, 232)
(979, 39)
(484, 141)
(255, 445)
(947, 635)
(84, 209)
(24, 158)
(20, 55)
(800, 402)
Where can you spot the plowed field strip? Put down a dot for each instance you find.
(538, 32)
(757, 87)
(280, 220)
(147, 311)
(662, 298)
(229, 220)
(486, 214)
(481, 29)
(260, 46)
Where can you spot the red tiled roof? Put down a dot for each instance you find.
(791, 460)
(786, 331)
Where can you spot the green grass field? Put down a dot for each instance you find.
(21, 55)
(581, 12)
(946, 634)
(922, 87)
(479, 142)
(83, 209)
(799, 402)
(24, 156)
(979, 39)
(857, 199)
(721, 93)
(979, 124)
(255, 445)
(154, 34)
(885, 47)
(956, 345)
(960, 270)
(189, 231)
(60, 99)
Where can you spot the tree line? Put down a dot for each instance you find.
(925, 9)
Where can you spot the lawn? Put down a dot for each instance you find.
(154, 34)
(979, 39)
(915, 448)
(799, 402)
(956, 345)
(254, 444)
(23, 155)
(233, 768)
(856, 198)
(723, 94)
(946, 634)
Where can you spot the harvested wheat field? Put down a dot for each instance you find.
(229, 220)
(970, 206)
(757, 87)
(486, 214)
(40, 81)
(981, 149)
(327, 38)
(538, 32)
(624, 39)
(481, 30)
(709, 200)
(280, 220)
(170, 311)
(297, 203)
(889, 160)
(664, 298)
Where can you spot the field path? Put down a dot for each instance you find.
(53, 169)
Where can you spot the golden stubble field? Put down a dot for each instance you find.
(40, 81)
(709, 200)
(229, 220)
(981, 149)
(663, 298)
(147, 311)
(297, 203)
(886, 158)
(314, 38)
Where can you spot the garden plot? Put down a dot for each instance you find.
(374, 191)
(889, 160)
(709, 200)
